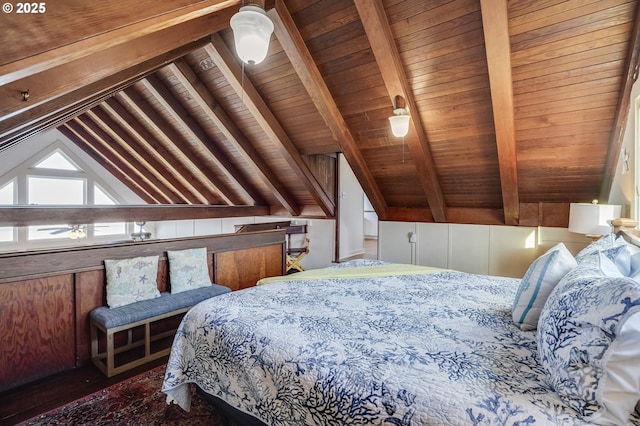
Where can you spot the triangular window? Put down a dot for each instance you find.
(56, 161)
(101, 198)
(56, 176)
(6, 194)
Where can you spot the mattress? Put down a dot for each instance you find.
(374, 344)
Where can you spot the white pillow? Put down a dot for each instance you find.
(587, 340)
(131, 280)
(541, 277)
(188, 269)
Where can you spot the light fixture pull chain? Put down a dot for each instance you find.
(403, 149)
(242, 85)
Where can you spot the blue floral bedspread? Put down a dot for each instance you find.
(426, 349)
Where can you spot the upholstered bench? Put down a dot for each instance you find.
(105, 322)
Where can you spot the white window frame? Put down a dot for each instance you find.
(22, 172)
(9, 245)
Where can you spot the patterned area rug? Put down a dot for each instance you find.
(135, 401)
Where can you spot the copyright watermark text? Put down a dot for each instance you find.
(23, 8)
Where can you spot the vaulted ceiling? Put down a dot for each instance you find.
(517, 107)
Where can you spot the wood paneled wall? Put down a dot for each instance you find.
(46, 296)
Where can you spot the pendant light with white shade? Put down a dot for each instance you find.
(252, 30)
(400, 119)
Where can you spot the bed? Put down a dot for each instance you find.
(368, 342)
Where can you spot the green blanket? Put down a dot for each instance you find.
(356, 272)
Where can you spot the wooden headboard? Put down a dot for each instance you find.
(46, 296)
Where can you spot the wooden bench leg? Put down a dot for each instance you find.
(94, 340)
(147, 340)
(110, 354)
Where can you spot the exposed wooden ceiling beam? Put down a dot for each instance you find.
(533, 214)
(60, 109)
(495, 23)
(308, 72)
(454, 215)
(197, 134)
(113, 28)
(632, 68)
(382, 41)
(151, 165)
(43, 215)
(231, 70)
(66, 77)
(106, 142)
(148, 143)
(130, 182)
(111, 162)
(234, 135)
(171, 138)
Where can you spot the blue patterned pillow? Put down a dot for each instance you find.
(603, 243)
(131, 280)
(188, 269)
(634, 262)
(620, 256)
(541, 277)
(588, 337)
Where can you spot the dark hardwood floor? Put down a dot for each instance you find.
(27, 401)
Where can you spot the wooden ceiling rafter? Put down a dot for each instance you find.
(110, 160)
(67, 76)
(171, 137)
(108, 166)
(198, 136)
(497, 44)
(123, 155)
(154, 167)
(122, 32)
(258, 108)
(146, 142)
(296, 50)
(632, 68)
(56, 111)
(378, 32)
(197, 90)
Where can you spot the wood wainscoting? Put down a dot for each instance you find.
(46, 296)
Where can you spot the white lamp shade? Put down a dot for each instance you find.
(400, 125)
(252, 30)
(592, 219)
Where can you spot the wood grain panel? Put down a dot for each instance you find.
(238, 269)
(44, 321)
(67, 21)
(90, 293)
(15, 266)
(36, 329)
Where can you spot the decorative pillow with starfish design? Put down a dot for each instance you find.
(188, 269)
(131, 280)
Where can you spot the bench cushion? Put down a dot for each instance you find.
(167, 302)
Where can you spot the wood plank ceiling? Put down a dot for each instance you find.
(517, 108)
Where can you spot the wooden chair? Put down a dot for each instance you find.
(297, 242)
